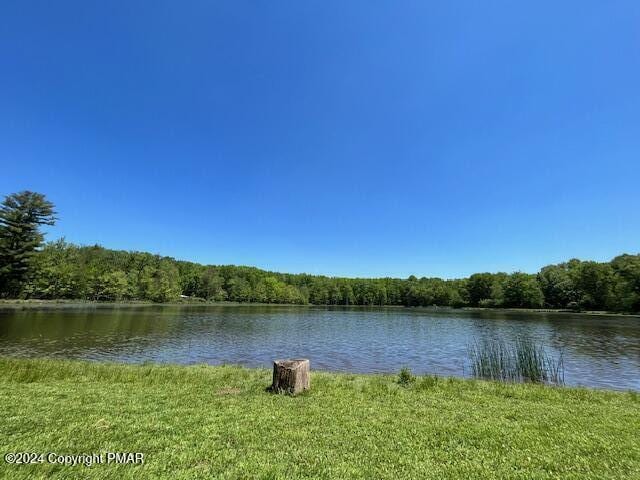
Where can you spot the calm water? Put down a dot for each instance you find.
(598, 351)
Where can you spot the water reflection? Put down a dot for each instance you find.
(598, 351)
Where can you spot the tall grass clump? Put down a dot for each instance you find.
(405, 377)
(522, 361)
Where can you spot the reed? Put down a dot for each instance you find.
(522, 361)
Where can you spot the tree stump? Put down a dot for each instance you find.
(291, 376)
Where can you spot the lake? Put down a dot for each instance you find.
(598, 351)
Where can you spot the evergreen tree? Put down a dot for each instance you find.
(21, 215)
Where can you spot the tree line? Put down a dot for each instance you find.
(61, 270)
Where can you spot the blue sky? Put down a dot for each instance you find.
(358, 138)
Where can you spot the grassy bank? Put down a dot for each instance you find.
(219, 422)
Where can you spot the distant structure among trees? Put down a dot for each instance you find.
(60, 270)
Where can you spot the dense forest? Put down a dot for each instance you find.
(60, 270)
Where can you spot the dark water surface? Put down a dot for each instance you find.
(598, 351)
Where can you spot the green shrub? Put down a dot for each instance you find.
(405, 377)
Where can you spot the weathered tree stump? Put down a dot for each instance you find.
(291, 376)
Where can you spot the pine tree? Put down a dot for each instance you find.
(21, 215)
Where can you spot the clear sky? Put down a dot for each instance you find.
(355, 138)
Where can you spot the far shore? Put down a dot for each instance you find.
(64, 303)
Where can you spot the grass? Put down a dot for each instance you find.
(405, 377)
(219, 422)
(522, 361)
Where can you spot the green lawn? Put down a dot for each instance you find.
(219, 422)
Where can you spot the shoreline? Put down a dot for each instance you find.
(50, 364)
(62, 303)
(99, 363)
